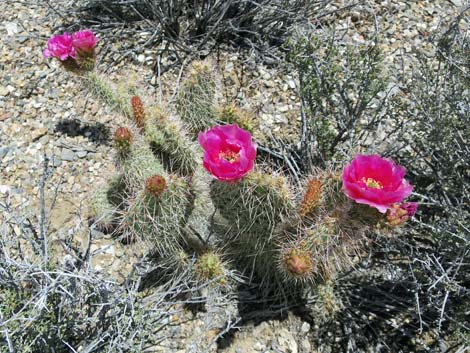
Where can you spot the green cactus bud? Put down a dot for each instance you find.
(209, 266)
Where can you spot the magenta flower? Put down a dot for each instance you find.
(84, 42)
(229, 152)
(375, 181)
(60, 47)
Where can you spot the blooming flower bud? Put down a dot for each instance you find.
(84, 43)
(375, 181)
(60, 46)
(229, 152)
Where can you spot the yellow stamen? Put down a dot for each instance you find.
(230, 156)
(372, 183)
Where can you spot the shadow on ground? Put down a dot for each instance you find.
(95, 132)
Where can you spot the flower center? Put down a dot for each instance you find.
(230, 156)
(372, 183)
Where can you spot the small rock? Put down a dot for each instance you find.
(67, 155)
(141, 58)
(56, 161)
(81, 153)
(283, 108)
(287, 342)
(305, 346)
(4, 189)
(22, 39)
(267, 76)
(291, 84)
(4, 151)
(305, 327)
(11, 27)
(4, 91)
(259, 347)
(38, 133)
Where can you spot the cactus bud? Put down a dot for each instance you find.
(311, 197)
(209, 266)
(155, 185)
(400, 213)
(123, 139)
(139, 112)
(298, 262)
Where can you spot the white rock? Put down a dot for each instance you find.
(305, 327)
(259, 347)
(305, 346)
(5, 188)
(4, 92)
(11, 27)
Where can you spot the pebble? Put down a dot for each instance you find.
(4, 91)
(305, 346)
(259, 347)
(11, 27)
(291, 83)
(81, 153)
(4, 151)
(67, 155)
(56, 161)
(5, 188)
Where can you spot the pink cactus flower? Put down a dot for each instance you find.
(375, 181)
(60, 47)
(84, 42)
(229, 152)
